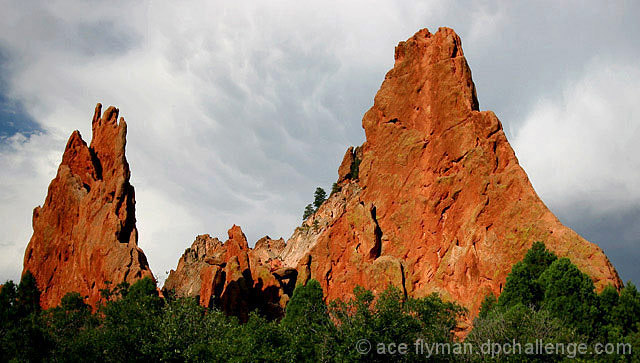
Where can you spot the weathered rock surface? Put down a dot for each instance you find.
(438, 202)
(433, 201)
(233, 277)
(85, 232)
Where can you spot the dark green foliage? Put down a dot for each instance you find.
(67, 328)
(569, 294)
(522, 285)
(8, 298)
(135, 324)
(538, 258)
(186, 331)
(260, 340)
(355, 166)
(129, 322)
(550, 296)
(392, 318)
(335, 188)
(489, 303)
(522, 324)
(21, 335)
(28, 295)
(607, 301)
(306, 306)
(626, 313)
(307, 323)
(319, 197)
(308, 211)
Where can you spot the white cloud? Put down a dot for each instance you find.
(27, 164)
(582, 148)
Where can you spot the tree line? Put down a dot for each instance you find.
(545, 298)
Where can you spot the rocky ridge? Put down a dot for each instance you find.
(232, 276)
(444, 205)
(433, 201)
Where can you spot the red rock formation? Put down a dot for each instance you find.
(438, 202)
(433, 201)
(232, 276)
(85, 233)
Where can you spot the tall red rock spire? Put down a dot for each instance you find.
(440, 203)
(85, 232)
(433, 201)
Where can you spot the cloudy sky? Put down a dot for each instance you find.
(238, 110)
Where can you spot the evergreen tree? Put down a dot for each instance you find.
(129, 323)
(519, 323)
(306, 306)
(569, 295)
(308, 324)
(538, 258)
(488, 304)
(8, 302)
(607, 302)
(626, 314)
(28, 295)
(308, 211)
(69, 327)
(21, 334)
(391, 317)
(522, 285)
(319, 197)
(355, 166)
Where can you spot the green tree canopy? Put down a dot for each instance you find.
(319, 197)
(308, 211)
(569, 294)
(522, 285)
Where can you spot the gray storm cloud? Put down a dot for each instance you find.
(236, 112)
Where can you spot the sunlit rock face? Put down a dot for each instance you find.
(433, 201)
(439, 202)
(84, 235)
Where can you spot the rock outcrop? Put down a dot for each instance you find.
(233, 277)
(434, 200)
(85, 232)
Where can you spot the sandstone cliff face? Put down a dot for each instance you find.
(439, 202)
(233, 277)
(433, 201)
(85, 232)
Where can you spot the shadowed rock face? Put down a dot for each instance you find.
(442, 204)
(233, 277)
(85, 232)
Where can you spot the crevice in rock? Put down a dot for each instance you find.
(404, 281)
(128, 267)
(97, 165)
(376, 250)
(498, 128)
(444, 211)
(129, 224)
